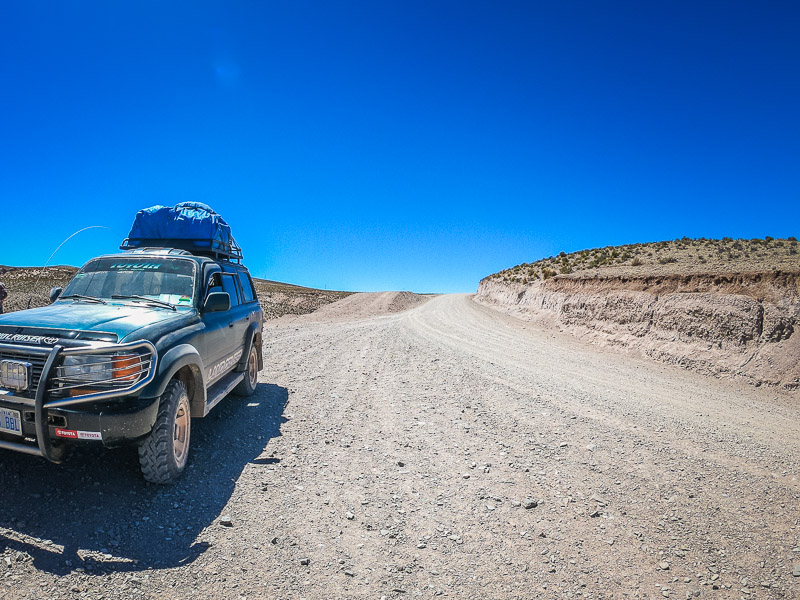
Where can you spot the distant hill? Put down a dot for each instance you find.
(276, 298)
(35, 283)
(675, 257)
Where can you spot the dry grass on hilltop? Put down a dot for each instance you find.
(683, 256)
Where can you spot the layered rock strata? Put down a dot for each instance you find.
(738, 325)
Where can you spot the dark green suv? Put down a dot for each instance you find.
(136, 345)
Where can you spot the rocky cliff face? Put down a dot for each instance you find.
(738, 325)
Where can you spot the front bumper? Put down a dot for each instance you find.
(113, 419)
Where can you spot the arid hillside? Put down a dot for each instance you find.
(32, 284)
(277, 299)
(683, 256)
(725, 307)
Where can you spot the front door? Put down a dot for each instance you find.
(223, 341)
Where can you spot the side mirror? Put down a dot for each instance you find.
(217, 302)
(54, 294)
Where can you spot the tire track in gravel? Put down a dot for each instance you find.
(453, 390)
(571, 366)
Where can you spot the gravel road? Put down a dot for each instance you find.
(445, 450)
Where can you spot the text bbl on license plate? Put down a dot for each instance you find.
(10, 421)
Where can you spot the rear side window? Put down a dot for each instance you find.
(247, 286)
(229, 285)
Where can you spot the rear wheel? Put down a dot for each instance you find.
(163, 453)
(247, 387)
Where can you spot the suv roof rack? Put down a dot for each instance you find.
(157, 250)
(209, 248)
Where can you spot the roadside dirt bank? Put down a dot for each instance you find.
(732, 325)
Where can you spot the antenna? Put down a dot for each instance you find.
(30, 298)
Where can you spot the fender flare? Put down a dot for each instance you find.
(252, 335)
(170, 363)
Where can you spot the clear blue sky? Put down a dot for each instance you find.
(408, 144)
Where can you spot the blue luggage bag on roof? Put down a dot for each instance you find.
(191, 226)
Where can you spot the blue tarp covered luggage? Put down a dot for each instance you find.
(192, 226)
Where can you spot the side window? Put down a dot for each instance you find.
(247, 287)
(229, 285)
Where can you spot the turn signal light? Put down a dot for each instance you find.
(126, 366)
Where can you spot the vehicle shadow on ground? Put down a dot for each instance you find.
(95, 512)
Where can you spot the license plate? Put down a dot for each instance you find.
(10, 421)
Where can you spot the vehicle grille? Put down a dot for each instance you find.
(37, 359)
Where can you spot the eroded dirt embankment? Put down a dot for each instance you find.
(742, 324)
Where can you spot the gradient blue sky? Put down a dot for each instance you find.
(399, 145)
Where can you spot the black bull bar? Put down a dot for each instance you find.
(46, 449)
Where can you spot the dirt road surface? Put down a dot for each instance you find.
(444, 450)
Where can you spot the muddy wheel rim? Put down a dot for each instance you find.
(252, 368)
(180, 436)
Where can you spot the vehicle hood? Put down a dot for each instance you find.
(67, 319)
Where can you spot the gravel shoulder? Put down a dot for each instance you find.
(446, 449)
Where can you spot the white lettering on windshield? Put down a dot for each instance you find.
(137, 266)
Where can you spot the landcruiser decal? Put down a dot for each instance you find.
(28, 339)
(224, 365)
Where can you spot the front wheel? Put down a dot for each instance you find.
(247, 387)
(163, 453)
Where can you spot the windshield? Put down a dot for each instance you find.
(170, 280)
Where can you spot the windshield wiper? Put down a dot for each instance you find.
(82, 297)
(151, 301)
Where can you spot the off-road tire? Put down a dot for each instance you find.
(160, 455)
(247, 387)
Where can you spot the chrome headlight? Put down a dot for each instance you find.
(85, 369)
(82, 374)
